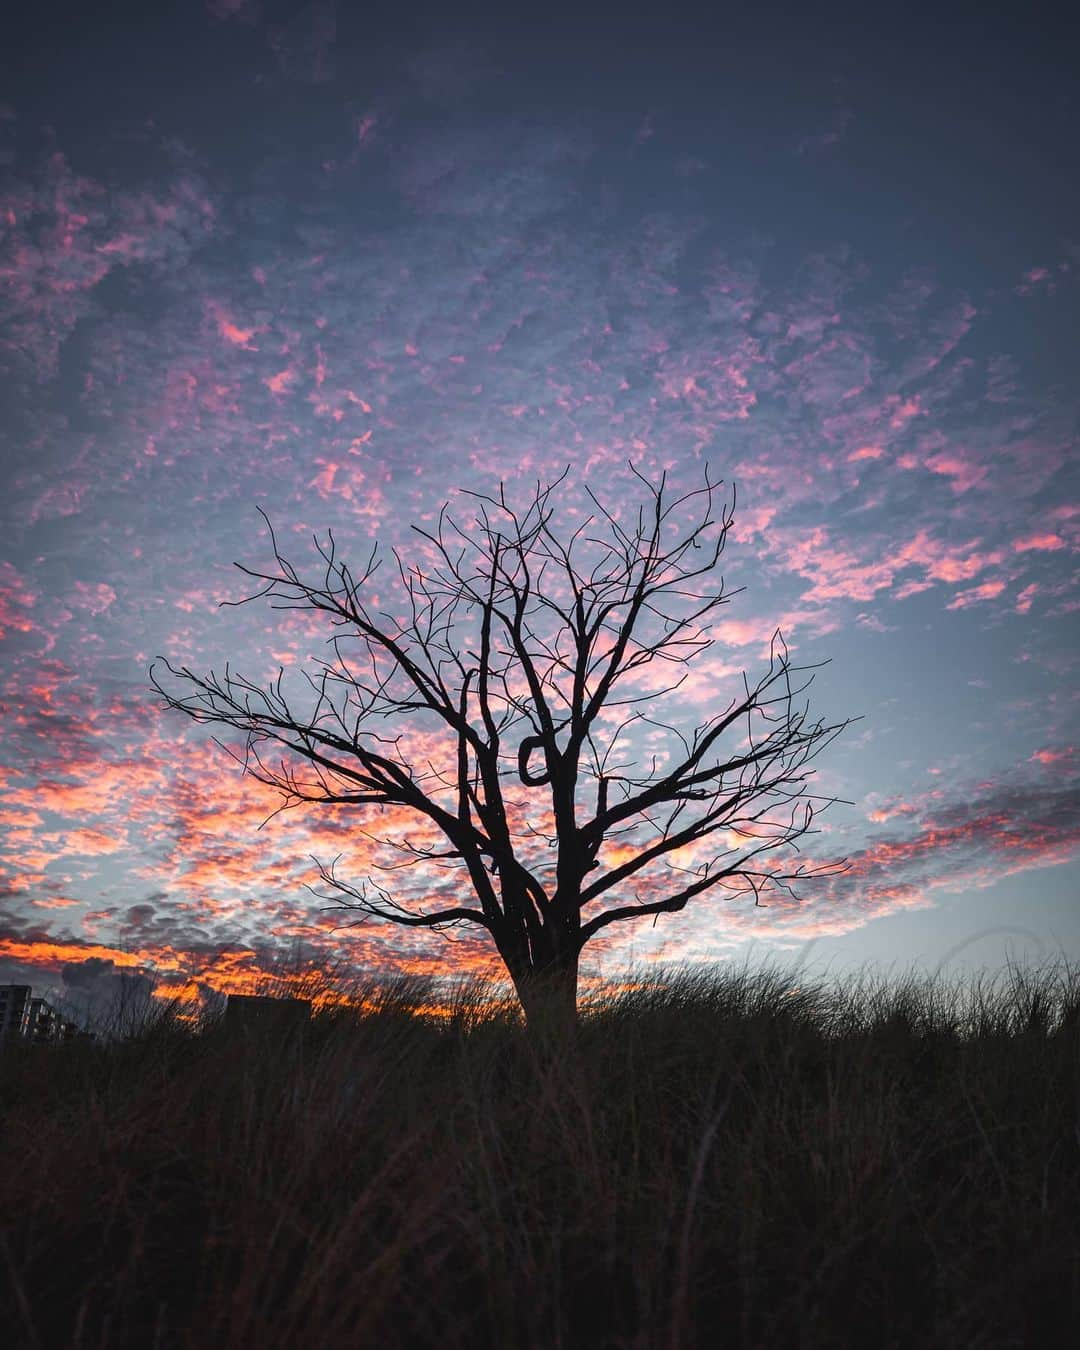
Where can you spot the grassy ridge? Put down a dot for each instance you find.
(720, 1161)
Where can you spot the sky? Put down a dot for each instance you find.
(342, 262)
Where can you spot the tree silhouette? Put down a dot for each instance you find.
(527, 663)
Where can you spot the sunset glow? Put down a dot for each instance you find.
(351, 280)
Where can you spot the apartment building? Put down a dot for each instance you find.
(21, 1014)
(15, 1002)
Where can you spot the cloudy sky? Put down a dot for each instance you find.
(340, 262)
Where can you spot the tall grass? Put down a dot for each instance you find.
(716, 1158)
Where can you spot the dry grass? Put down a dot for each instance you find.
(716, 1160)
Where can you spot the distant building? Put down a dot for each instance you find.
(253, 1012)
(14, 1009)
(44, 1023)
(21, 1014)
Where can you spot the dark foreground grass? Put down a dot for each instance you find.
(718, 1162)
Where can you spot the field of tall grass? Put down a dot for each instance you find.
(714, 1158)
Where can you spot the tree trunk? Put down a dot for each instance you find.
(549, 1000)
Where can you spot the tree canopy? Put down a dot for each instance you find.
(521, 705)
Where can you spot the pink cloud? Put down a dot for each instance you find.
(279, 383)
(891, 809)
(1000, 829)
(16, 598)
(67, 232)
(1045, 542)
(901, 411)
(229, 330)
(365, 127)
(1036, 279)
(92, 597)
(962, 472)
(752, 521)
(945, 562)
(746, 632)
(839, 572)
(910, 588)
(1047, 756)
(90, 842)
(989, 590)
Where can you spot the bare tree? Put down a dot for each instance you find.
(528, 662)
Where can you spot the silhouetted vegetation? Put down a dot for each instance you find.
(525, 656)
(710, 1158)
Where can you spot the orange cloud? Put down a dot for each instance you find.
(279, 383)
(91, 842)
(1045, 542)
(1046, 756)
